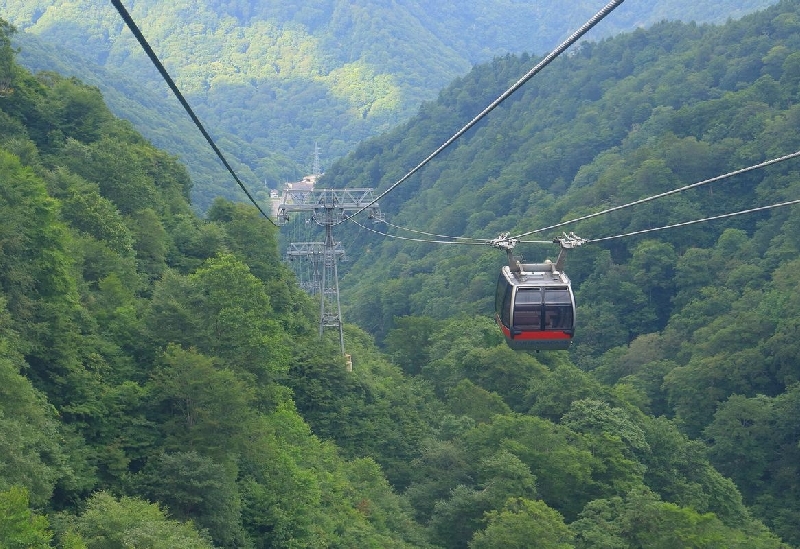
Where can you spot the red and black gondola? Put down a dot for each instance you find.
(535, 307)
(534, 302)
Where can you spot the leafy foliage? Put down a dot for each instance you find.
(163, 383)
(677, 323)
(146, 352)
(274, 81)
(19, 527)
(110, 522)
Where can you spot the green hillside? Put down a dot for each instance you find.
(164, 386)
(271, 81)
(148, 358)
(699, 322)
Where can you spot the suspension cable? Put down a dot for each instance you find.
(530, 74)
(685, 223)
(171, 83)
(667, 193)
(481, 240)
(472, 241)
(427, 241)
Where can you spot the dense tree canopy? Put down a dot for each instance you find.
(275, 81)
(163, 384)
(695, 324)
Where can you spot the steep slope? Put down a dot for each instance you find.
(697, 321)
(566, 141)
(145, 355)
(148, 355)
(273, 80)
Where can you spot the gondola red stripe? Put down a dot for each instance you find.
(535, 335)
(542, 335)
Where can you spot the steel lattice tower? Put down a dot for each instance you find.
(311, 255)
(328, 208)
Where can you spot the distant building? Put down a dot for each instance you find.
(305, 184)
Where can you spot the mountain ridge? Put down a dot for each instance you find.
(151, 355)
(272, 82)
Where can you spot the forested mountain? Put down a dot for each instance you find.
(163, 384)
(148, 358)
(273, 80)
(700, 322)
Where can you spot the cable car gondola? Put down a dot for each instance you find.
(534, 303)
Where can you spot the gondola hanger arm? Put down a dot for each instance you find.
(504, 242)
(567, 242)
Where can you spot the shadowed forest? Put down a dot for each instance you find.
(274, 80)
(163, 383)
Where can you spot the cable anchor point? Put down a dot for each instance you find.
(569, 241)
(503, 242)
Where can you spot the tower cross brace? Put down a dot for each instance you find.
(328, 208)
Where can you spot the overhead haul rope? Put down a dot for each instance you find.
(478, 240)
(601, 239)
(664, 194)
(685, 223)
(530, 74)
(171, 83)
(516, 239)
(609, 210)
(429, 241)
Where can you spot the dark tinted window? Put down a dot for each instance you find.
(528, 296)
(528, 320)
(502, 300)
(558, 317)
(499, 293)
(528, 309)
(557, 295)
